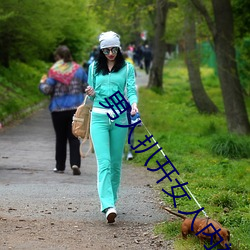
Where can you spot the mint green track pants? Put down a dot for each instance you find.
(108, 141)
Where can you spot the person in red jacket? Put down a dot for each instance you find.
(65, 84)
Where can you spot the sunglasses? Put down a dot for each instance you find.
(106, 51)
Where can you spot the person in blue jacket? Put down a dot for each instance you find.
(108, 75)
(65, 83)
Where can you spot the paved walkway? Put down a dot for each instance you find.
(30, 190)
(141, 78)
(26, 163)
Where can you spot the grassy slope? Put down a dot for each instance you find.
(19, 87)
(219, 183)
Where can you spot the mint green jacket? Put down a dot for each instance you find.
(107, 85)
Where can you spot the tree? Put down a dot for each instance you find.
(127, 17)
(159, 46)
(242, 33)
(223, 38)
(201, 99)
(23, 33)
(241, 17)
(28, 33)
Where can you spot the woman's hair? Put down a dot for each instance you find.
(63, 52)
(102, 67)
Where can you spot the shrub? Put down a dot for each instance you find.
(224, 200)
(231, 146)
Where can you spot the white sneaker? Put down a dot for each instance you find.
(111, 214)
(129, 156)
(58, 171)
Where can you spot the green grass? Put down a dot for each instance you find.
(215, 164)
(19, 87)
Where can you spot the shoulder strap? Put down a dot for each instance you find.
(92, 73)
(90, 149)
(87, 136)
(126, 74)
(85, 99)
(85, 139)
(126, 81)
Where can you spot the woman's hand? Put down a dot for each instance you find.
(134, 109)
(90, 91)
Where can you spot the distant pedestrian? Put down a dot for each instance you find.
(93, 55)
(147, 54)
(108, 75)
(65, 84)
(138, 56)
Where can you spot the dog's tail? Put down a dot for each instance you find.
(174, 213)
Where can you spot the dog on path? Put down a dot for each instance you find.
(199, 224)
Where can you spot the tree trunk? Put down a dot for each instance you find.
(223, 38)
(235, 109)
(159, 47)
(201, 99)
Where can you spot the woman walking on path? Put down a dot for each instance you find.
(107, 75)
(65, 83)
